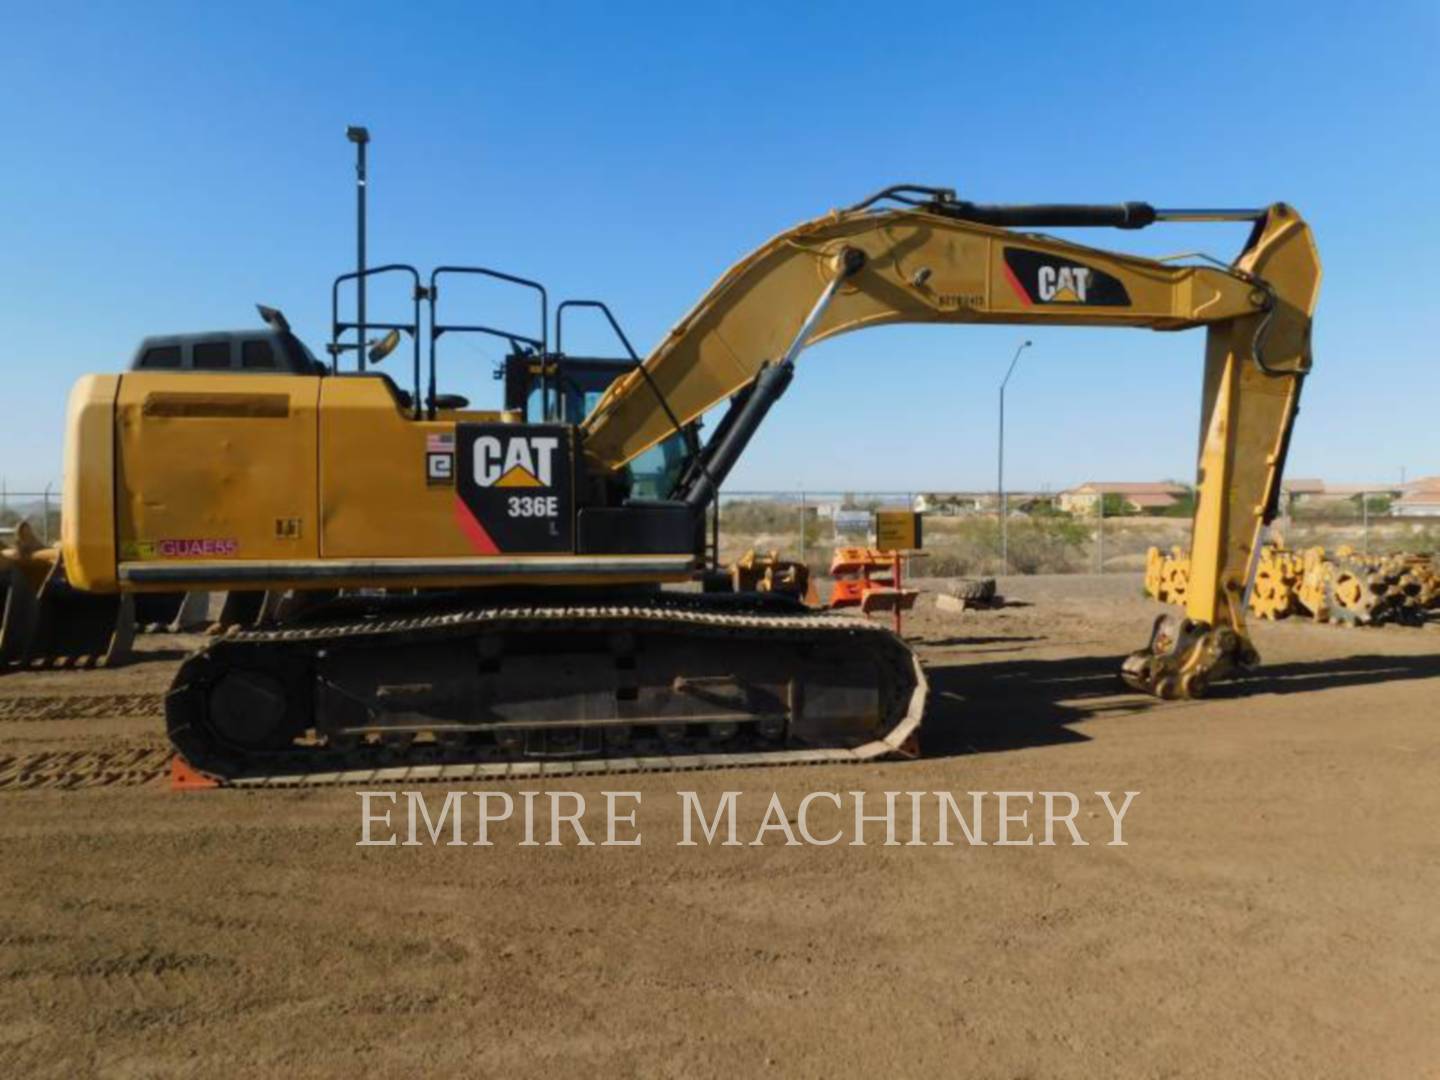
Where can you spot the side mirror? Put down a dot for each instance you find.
(384, 347)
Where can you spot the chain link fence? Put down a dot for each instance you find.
(965, 535)
(1373, 523)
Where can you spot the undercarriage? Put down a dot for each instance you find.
(666, 681)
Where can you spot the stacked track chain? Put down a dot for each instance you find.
(1343, 587)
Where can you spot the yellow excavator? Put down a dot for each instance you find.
(481, 593)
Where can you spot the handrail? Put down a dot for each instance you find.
(339, 327)
(437, 328)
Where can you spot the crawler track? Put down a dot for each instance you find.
(838, 654)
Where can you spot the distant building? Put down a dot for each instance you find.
(1420, 498)
(1353, 491)
(956, 503)
(947, 503)
(1139, 497)
(1301, 489)
(1317, 493)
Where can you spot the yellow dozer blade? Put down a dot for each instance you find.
(44, 622)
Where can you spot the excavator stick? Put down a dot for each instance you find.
(1254, 368)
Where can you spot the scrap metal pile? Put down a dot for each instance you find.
(1344, 586)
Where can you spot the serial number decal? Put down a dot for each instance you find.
(182, 548)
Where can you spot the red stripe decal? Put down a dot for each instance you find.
(1019, 289)
(473, 530)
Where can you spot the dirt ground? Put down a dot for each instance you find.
(1274, 912)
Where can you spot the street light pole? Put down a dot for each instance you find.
(1000, 467)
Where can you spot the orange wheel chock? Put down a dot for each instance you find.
(185, 777)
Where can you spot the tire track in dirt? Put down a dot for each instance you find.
(80, 707)
(83, 768)
(124, 988)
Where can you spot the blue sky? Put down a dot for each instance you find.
(163, 167)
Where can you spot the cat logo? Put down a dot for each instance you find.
(517, 461)
(513, 487)
(1063, 284)
(1040, 278)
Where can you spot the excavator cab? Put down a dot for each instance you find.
(579, 382)
(519, 480)
(542, 385)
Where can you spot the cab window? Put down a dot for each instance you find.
(161, 356)
(257, 354)
(653, 474)
(210, 356)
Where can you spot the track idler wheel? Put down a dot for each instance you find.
(248, 709)
(220, 715)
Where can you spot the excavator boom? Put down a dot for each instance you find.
(938, 260)
(926, 264)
